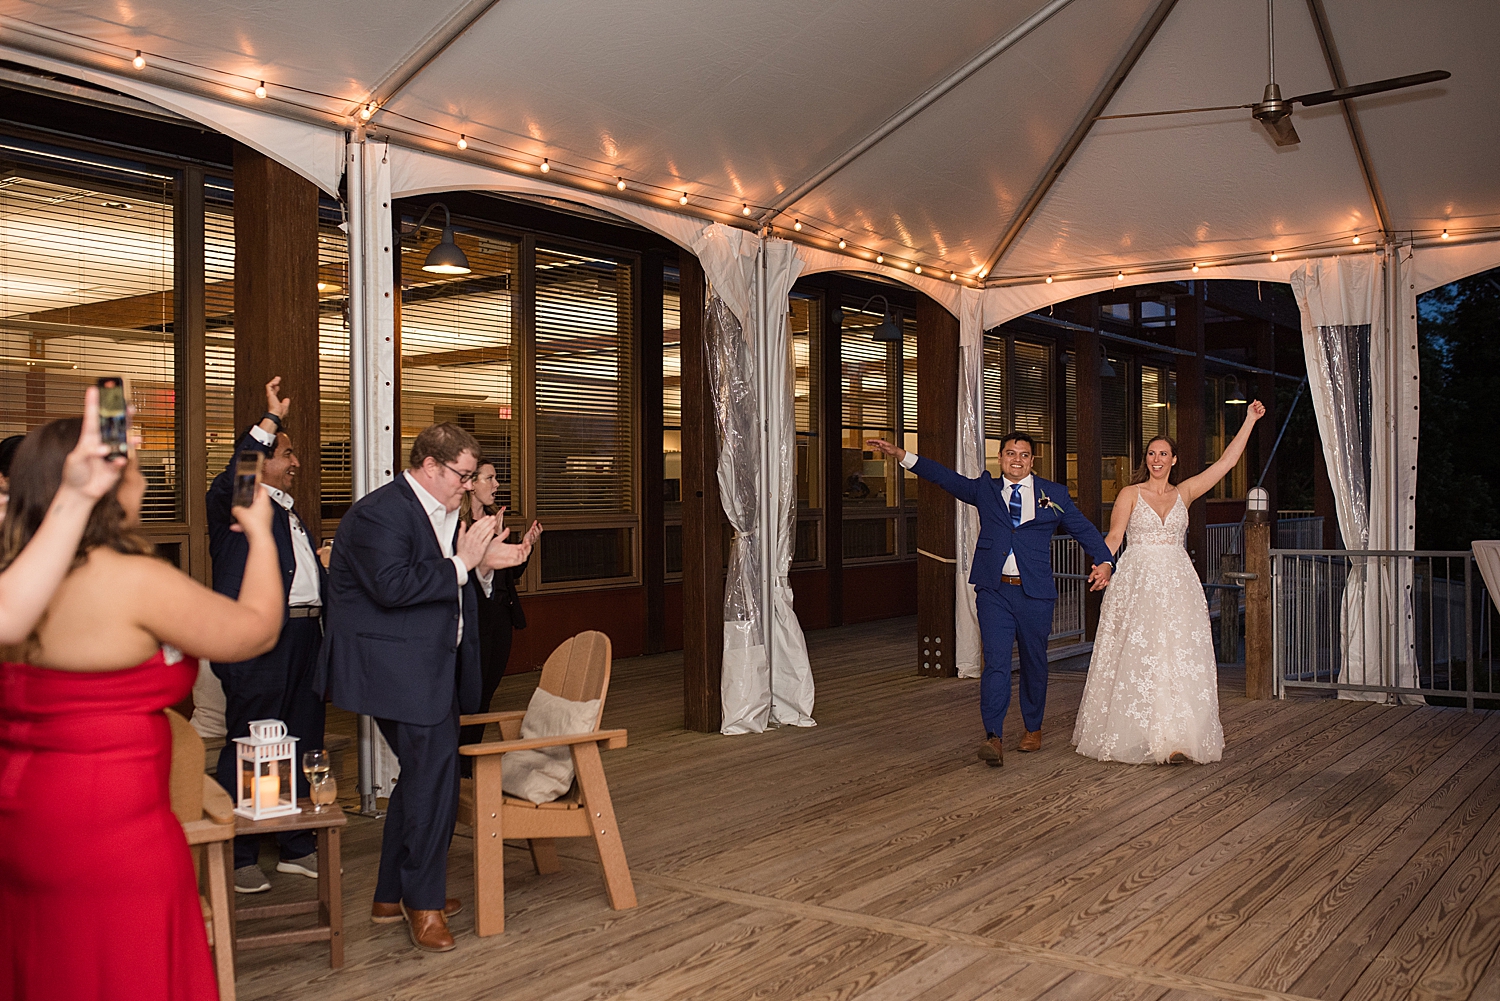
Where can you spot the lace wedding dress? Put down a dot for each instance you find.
(1153, 682)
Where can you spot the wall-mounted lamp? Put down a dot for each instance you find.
(446, 258)
(889, 330)
(1106, 370)
(1234, 394)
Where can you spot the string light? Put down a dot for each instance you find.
(842, 244)
(682, 198)
(919, 269)
(546, 165)
(1275, 256)
(879, 258)
(746, 209)
(1446, 236)
(367, 111)
(1195, 267)
(261, 90)
(620, 183)
(139, 62)
(463, 143)
(982, 272)
(797, 225)
(953, 276)
(1049, 278)
(1120, 277)
(1356, 240)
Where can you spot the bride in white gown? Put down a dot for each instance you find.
(1152, 692)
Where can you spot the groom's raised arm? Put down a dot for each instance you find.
(962, 487)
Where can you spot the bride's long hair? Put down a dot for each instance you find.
(1143, 471)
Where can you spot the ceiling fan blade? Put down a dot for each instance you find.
(1374, 87)
(1180, 111)
(1282, 131)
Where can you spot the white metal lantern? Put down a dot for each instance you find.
(267, 771)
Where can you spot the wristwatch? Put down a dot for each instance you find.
(272, 418)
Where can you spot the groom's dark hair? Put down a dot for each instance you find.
(1019, 436)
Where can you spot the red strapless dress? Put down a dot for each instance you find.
(97, 895)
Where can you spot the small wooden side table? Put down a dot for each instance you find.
(329, 907)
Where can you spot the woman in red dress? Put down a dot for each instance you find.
(97, 895)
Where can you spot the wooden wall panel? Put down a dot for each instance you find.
(937, 421)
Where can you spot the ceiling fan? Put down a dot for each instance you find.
(1275, 112)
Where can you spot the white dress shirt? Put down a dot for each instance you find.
(305, 577)
(1028, 506)
(444, 525)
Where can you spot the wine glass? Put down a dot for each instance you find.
(318, 768)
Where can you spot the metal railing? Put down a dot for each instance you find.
(1072, 588)
(1397, 623)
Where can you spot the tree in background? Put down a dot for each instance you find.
(1458, 454)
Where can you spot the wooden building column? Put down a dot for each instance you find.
(937, 520)
(1190, 418)
(702, 541)
(276, 308)
(832, 430)
(189, 328)
(653, 461)
(1266, 430)
(1089, 392)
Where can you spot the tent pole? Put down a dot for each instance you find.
(769, 527)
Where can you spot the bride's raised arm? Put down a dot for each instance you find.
(1196, 486)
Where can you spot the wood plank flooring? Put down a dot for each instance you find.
(1341, 850)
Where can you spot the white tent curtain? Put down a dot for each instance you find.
(372, 373)
(750, 375)
(968, 651)
(1359, 338)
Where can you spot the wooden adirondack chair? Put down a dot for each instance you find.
(207, 816)
(578, 670)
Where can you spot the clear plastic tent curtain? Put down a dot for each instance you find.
(968, 650)
(1359, 339)
(750, 377)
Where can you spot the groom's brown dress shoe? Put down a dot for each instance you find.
(389, 914)
(991, 753)
(428, 930)
(1031, 742)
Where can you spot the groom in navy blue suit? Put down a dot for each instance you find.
(1012, 575)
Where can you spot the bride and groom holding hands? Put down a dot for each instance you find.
(1152, 689)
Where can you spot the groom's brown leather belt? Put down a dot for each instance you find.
(1006, 578)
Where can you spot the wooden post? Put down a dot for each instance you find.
(276, 308)
(937, 517)
(1265, 390)
(1089, 392)
(189, 353)
(702, 553)
(1259, 672)
(1190, 422)
(653, 474)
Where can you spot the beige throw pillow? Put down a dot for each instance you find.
(543, 775)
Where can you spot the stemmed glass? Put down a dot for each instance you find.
(322, 789)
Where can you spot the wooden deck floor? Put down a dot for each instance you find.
(1339, 851)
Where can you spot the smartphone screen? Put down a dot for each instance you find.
(247, 478)
(114, 415)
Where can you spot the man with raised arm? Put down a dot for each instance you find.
(1012, 575)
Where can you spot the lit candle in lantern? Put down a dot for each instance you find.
(268, 790)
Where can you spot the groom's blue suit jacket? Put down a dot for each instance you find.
(1032, 542)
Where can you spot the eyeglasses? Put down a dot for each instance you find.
(463, 477)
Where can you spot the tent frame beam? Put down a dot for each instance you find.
(430, 48)
(1080, 132)
(1356, 134)
(929, 97)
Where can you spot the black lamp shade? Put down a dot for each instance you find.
(446, 258)
(888, 331)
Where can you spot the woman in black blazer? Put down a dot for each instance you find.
(500, 613)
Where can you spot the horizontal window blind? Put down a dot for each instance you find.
(86, 290)
(336, 454)
(671, 435)
(996, 425)
(218, 348)
(1032, 388)
(805, 325)
(1158, 416)
(1114, 405)
(458, 358)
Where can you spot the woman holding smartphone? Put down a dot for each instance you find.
(97, 893)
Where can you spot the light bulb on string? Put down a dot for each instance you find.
(546, 165)
(367, 111)
(1120, 277)
(1049, 278)
(1356, 240)
(261, 90)
(139, 62)
(953, 276)
(463, 142)
(879, 258)
(1275, 256)
(745, 210)
(918, 269)
(682, 198)
(842, 244)
(797, 225)
(620, 183)
(1195, 267)
(1445, 235)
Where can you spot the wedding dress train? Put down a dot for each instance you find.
(1153, 680)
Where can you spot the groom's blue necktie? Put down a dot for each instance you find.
(1015, 505)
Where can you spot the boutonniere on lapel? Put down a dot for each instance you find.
(1043, 501)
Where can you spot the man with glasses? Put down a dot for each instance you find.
(402, 645)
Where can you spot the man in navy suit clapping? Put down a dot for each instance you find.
(1012, 575)
(402, 645)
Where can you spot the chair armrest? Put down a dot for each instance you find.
(474, 719)
(216, 802)
(202, 832)
(611, 739)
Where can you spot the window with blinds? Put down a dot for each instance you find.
(458, 362)
(993, 369)
(671, 416)
(336, 453)
(1114, 425)
(584, 417)
(86, 290)
(1221, 422)
(805, 326)
(877, 403)
(1031, 399)
(218, 346)
(1158, 403)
